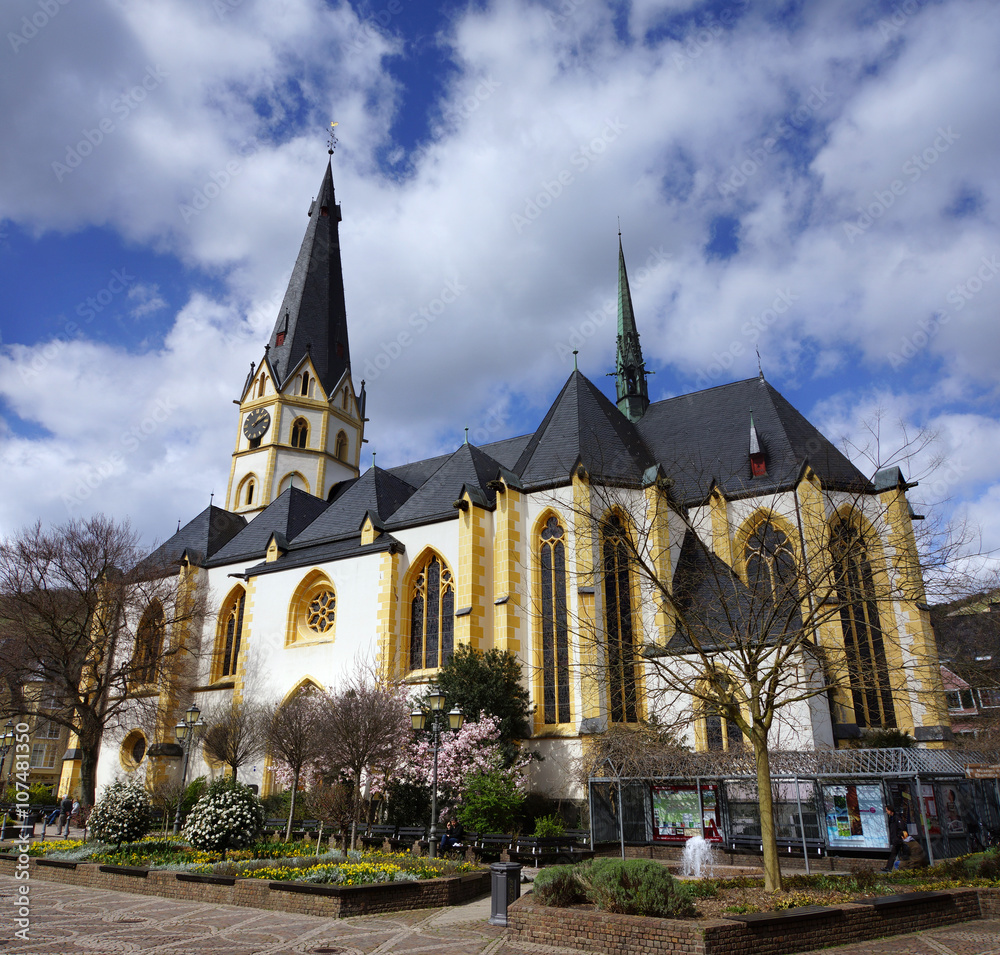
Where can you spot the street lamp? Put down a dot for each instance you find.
(6, 742)
(419, 720)
(187, 732)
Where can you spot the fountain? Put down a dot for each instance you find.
(697, 857)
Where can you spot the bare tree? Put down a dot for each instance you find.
(236, 733)
(367, 727)
(738, 634)
(295, 736)
(84, 611)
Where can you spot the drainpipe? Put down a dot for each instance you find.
(802, 825)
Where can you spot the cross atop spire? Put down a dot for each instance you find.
(630, 370)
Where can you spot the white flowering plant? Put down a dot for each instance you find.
(121, 814)
(228, 816)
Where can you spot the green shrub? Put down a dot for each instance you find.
(635, 887)
(121, 814)
(558, 885)
(228, 816)
(549, 826)
(192, 793)
(491, 802)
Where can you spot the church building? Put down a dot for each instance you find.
(315, 563)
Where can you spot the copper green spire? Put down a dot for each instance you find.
(630, 370)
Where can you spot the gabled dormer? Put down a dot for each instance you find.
(301, 421)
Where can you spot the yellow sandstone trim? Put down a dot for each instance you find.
(389, 638)
(508, 617)
(472, 583)
(721, 536)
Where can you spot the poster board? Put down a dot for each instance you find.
(855, 816)
(675, 813)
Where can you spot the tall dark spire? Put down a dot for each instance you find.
(313, 317)
(630, 370)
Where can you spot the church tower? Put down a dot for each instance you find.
(301, 422)
(630, 370)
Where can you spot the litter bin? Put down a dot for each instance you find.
(505, 885)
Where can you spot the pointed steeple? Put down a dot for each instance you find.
(313, 317)
(630, 370)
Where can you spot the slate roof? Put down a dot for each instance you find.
(289, 514)
(702, 438)
(713, 601)
(377, 491)
(314, 301)
(468, 465)
(583, 426)
(201, 537)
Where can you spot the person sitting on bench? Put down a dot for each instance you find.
(454, 833)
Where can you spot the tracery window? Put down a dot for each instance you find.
(321, 610)
(619, 623)
(432, 616)
(721, 732)
(148, 644)
(770, 567)
(231, 634)
(300, 433)
(555, 632)
(864, 643)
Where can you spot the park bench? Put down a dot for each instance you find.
(407, 835)
(549, 850)
(490, 845)
(377, 834)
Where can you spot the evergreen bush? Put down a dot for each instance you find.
(549, 826)
(491, 802)
(635, 887)
(228, 816)
(558, 885)
(121, 814)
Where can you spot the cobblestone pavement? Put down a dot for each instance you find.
(66, 920)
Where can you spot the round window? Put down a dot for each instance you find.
(133, 751)
(320, 614)
(138, 749)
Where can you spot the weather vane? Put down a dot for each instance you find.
(331, 143)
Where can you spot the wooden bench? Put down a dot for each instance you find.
(491, 844)
(407, 835)
(902, 899)
(802, 913)
(549, 850)
(377, 835)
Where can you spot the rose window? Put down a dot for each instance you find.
(321, 611)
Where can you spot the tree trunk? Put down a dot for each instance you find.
(291, 808)
(88, 774)
(769, 846)
(354, 814)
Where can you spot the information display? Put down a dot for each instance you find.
(855, 817)
(675, 813)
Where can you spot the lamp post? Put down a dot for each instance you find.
(187, 732)
(437, 716)
(6, 742)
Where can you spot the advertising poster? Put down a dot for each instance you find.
(675, 813)
(855, 817)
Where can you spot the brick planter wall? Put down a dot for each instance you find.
(327, 900)
(609, 934)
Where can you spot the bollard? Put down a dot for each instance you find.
(505, 885)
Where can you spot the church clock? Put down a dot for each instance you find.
(256, 424)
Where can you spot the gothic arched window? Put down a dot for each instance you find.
(230, 634)
(432, 616)
(305, 383)
(864, 644)
(619, 623)
(721, 732)
(340, 448)
(148, 644)
(300, 433)
(555, 631)
(771, 573)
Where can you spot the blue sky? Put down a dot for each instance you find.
(816, 181)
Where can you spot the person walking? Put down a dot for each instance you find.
(895, 839)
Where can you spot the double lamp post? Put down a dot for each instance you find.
(188, 731)
(6, 742)
(438, 721)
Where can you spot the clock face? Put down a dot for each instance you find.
(256, 424)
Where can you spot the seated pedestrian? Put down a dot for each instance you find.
(65, 808)
(912, 853)
(454, 833)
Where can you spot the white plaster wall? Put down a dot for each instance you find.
(557, 773)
